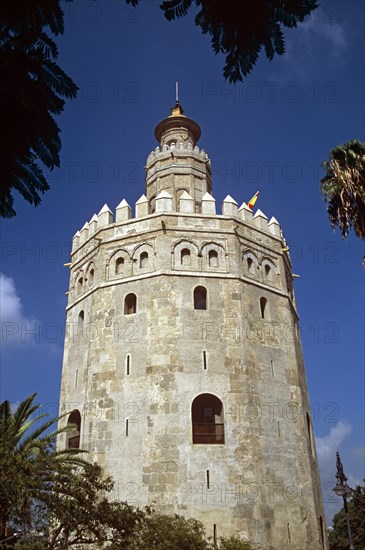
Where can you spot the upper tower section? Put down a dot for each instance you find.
(177, 164)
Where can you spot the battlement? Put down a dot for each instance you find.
(180, 148)
(164, 205)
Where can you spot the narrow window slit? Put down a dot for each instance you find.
(272, 369)
(322, 530)
(288, 527)
(207, 479)
(126, 427)
(263, 303)
(279, 432)
(310, 434)
(76, 377)
(215, 538)
(128, 364)
(204, 360)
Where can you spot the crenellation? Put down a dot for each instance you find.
(84, 232)
(274, 227)
(229, 207)
(75, 241)
(105, 216)
(123, 212)
(163, 202)
(179, 149)
(93, 224)
(208, 204)
(245, 213)
(142, 207)
(260, 220)
(126, 225)
(186, 203)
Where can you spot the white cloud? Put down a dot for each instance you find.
(318, 33)
(317, 28)
(15, 326)
(326, 453)
(329, 444)
(10, 304)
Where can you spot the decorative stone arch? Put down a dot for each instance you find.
(207, 417)
(79, 281)
(143, 258)
(268, 270)
(213, 257)
(90, 274)
(250, 263)
(185, 255)
(119, 265)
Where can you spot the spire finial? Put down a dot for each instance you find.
(177, 110)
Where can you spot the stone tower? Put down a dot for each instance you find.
(183, 365)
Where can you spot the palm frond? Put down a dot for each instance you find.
(343, 188)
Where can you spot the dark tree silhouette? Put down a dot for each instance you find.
(32, 87)
(241, 28)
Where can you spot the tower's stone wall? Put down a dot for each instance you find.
(134, 376)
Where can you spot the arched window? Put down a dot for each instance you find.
(263, 303)
(268, 271)
(143, 260)
(200, 297)
(80, 320)
(119, 266)
(80, 283)
(130, 304)
(207, 419)
(185, 256)
(91, 276)
(73, 436)
(213, 258)
(249, 264)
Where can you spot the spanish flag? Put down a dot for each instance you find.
(251, 203)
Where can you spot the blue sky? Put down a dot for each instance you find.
(270, 132)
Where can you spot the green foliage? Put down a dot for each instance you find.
(338, 536)
(241, 29)
(233, 544)
(27, 455)
(162, 532)
(32, 87)
(343, 187)
(80, 512)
